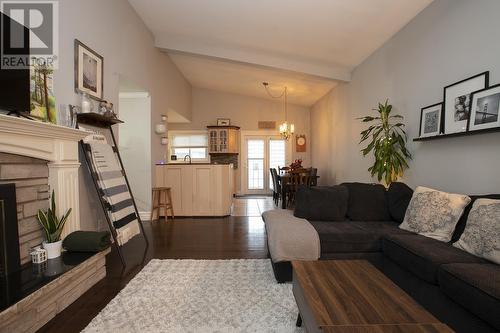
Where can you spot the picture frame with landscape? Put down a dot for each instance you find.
(430, 120)
(485, 109)
(89, 69)
(457, 98)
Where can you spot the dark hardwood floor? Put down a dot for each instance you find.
(185, 238)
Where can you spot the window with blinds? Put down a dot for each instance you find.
(194, 144)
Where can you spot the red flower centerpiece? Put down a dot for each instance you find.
(297, 164)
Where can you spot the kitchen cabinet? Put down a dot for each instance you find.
(198, 189)
(223, 139)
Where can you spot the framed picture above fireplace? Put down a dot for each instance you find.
(89, 69)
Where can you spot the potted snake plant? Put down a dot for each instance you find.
(52, 226)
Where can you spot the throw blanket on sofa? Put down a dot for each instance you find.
(290, 238)
(116, 192)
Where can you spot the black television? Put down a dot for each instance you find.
(14, 83)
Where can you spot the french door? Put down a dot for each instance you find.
(260, 154)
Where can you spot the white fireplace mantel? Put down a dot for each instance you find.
(57, 145)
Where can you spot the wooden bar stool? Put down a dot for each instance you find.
(162, 198)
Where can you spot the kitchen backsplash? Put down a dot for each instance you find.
(225, 159)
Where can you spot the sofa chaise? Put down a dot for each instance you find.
(361, 221)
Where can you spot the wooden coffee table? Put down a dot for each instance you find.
(352, 296)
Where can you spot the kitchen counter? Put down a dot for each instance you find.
(198, 189)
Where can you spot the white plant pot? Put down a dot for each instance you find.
(53, 249)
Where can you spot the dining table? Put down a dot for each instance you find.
(283, 179)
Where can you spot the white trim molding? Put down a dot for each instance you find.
(59, 147)
(145, 216)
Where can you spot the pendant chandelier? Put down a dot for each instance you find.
(286, 129)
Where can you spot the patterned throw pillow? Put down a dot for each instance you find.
(481, 236)
(433, 213)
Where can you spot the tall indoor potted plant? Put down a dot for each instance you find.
(388, 143)
(53, 226)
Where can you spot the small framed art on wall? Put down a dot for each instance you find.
(457, 98)
(430, 120)
(485, 108)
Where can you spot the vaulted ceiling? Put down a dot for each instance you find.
(312, 43)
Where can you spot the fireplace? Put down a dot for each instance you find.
(36, 158)
(9, 238)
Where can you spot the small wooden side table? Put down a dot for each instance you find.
(352, 296)
(162, 198)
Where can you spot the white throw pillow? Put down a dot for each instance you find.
(433, 213)
(481, 236)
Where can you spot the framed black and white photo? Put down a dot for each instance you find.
(223, 122)
(430, 120)
(88, 71)
(485, 107)
(457, 98)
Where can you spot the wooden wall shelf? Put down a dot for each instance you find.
(452, 135)
(97, 119)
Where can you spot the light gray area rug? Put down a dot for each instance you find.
(201, 296)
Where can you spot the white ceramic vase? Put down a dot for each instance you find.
(53, 249)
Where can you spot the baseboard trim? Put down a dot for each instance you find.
(145, 216)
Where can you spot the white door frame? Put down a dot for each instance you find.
(259, 134)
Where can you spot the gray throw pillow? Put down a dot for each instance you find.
(481, 236)
(433, 213)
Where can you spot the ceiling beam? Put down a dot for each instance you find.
(282, 62)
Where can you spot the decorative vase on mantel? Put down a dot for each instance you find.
(87, 106)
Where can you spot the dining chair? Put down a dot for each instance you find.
(283, 169)
(293, 182)
(276, 185)
(314, 178)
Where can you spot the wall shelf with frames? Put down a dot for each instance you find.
(453, 135)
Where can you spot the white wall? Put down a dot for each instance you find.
(448, 41)
(246, 112)
(135, 146)
(113, 29)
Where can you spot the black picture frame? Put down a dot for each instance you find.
(440, 125)
(461, 125)
(472, 112)
(99, 93)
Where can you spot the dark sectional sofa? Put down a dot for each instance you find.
(460, 289)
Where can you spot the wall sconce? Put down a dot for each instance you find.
(161, 128)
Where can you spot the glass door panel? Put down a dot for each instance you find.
(255, 162)
(277, 158)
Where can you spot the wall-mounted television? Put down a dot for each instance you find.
(14, 83)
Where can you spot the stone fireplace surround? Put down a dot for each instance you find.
(39, 157)
(30, 176)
